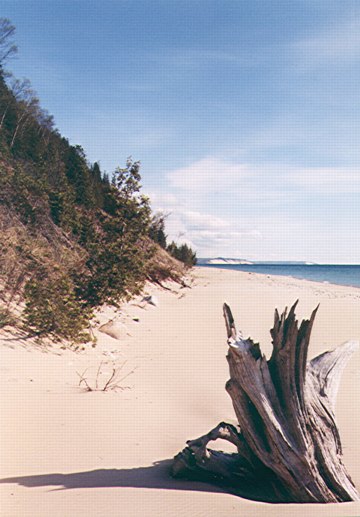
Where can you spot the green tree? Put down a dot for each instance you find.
(118, 252)
(78, 175)
(157, 230)
(183, 253)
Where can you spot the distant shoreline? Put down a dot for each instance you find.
(335, 274)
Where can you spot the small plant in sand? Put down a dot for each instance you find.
(107, 377)
(6, 317)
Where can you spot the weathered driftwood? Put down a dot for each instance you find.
(288, 445)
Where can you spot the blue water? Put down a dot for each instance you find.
(332, 274)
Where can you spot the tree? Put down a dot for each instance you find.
(127, 180)
(97, 185)
(118, 252)
(27, 107)
(288, 444)
(7, 46)
(45, 125)
(183, 253)
(157, 229)
(78, 174)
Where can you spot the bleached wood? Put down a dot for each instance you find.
(288, 444)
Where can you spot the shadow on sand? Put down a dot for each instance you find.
(154, 476)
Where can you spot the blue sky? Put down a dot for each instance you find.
(245, 114)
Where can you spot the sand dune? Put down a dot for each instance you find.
(67, 452)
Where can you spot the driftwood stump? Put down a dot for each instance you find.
(288, 444)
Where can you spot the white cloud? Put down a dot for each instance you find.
(267, 211)
(197, 220)
(162, 201)
(209, 174)
(203, 231)
(261, 182)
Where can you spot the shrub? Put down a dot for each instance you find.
(51, 307)
(6, 318)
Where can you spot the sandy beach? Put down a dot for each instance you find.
(68, 452)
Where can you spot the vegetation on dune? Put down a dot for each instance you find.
(71, 238)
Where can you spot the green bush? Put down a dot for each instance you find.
(6, 318)
(53, 309)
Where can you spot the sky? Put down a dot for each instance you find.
(245, 114)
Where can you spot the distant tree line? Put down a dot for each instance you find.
(181, 252)
(72, 238)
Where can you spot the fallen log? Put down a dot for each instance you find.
(288, 445)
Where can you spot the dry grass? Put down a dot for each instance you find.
(164, 267)
(107, 377)
(27, 252)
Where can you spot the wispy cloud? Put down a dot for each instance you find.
(325, 130)
(264, 180)
(206, 232)
(259, 202)
(337, 44)
(331, 180)
(192, 57)
(209, 175)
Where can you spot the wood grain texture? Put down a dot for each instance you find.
(288, 445)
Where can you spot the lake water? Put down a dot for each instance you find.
(332, 274)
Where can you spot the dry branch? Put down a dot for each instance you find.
(111, 382)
